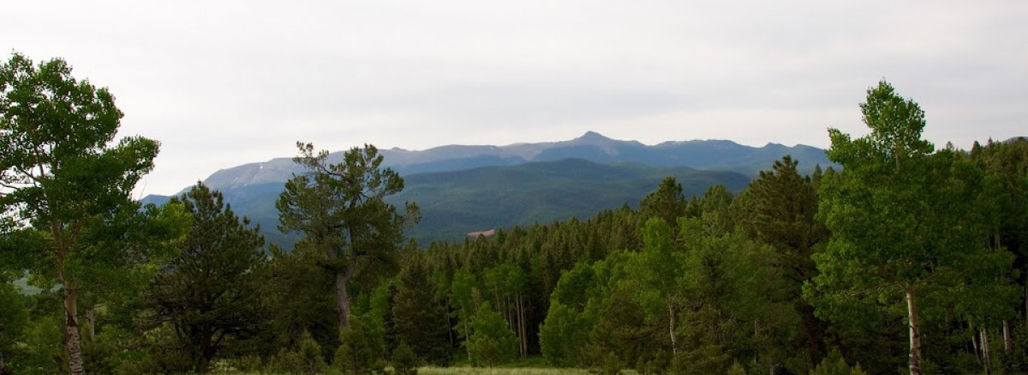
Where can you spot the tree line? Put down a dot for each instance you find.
(908, 257)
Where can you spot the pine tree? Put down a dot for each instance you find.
(419, 315)
(781, 212)
(209, 293)
(342, 213)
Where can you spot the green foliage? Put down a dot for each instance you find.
(667, 203)
(405, 362)
(778, 209)
(14, 320)
(341, 211)
(117, 350)
(61, 175)
(834, 364)
(575, 306)
(1016, 360)
(609, 365)
(906, 223)
(462, 300)
(562, 337)
(736, 369)
(419, 315)
(491, 342)
(358, 354)
(621, 330)
(209, 293)
(298, 297)
(39, 352)
(306, 358)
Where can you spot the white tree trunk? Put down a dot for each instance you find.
(1006, 336)
(71, 333)
(985, 350)
(915, 333)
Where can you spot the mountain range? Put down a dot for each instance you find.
(463, 189)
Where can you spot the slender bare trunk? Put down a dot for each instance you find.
(343, 298)
(915, 333)
(974, 342)
(91, 322)
(71, 332)
(1006, 336)
(3, 367)
(985, 350)
(671, 330)
(519, 303)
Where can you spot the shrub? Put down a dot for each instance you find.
(405, 362)
(491, 341)
(356, 354)
(304, 359)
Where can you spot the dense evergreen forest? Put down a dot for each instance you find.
(909, 258)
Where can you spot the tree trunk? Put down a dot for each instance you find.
(1006, 336)
(671, 330)
(521, 326)
(91, 321)
(813, 332)
(985, 350)
(915, 333)
(974, 342)
(71, 332)
(343, 298)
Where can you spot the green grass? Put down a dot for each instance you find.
(479, 371)
(499, 371)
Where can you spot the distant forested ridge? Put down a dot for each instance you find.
(472, 188)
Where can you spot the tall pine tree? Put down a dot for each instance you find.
(209, 293)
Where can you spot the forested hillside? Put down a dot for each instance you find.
(464, 189)
(458, 202)
(909, 258)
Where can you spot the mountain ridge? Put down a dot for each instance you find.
(467, 188)
(592, 146)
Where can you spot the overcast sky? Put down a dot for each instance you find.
(221, 83)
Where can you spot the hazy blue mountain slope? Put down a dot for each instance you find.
(455, 203)
(700, 154)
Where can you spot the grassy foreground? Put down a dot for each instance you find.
(467, 370)
(499, 371)
(472, 370)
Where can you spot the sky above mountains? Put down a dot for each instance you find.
(230, 82)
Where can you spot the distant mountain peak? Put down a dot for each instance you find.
(593, 136)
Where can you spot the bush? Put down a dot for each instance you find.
(491, 342)
(834, 364)
(356, 354)
(736, 369)
(304, 359)
(405, 362)
(610, 365)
